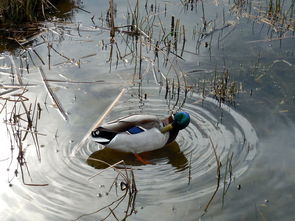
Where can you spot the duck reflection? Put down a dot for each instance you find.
(170, 151)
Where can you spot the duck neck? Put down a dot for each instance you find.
(172, 135)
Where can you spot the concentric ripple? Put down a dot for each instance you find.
(233, 137)
(180, 172)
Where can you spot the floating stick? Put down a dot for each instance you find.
(15, 70)
(52, 95)
(97, 123)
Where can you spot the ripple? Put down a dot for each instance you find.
(230, 132)
(182, 171)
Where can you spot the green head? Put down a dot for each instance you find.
(181, 120)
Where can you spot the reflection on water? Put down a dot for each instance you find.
(192, 155)
(170, 153)
(253, 139)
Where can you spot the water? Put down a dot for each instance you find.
(251, 132)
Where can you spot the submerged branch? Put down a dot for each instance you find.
(52, 95)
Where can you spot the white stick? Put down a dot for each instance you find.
(54, 98)
(109, 166)
(97, 123)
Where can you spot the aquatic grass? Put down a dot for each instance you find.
(18, 127)
(20, 20)
(21, 117)
(125, 181)
(278, 14)
(224, 89)
(139, 37)
(140, 40)
(20, 11)
(218, 175)
(219, 85)
(226, 174)
(228, 171)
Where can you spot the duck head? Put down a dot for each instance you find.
(181, 120)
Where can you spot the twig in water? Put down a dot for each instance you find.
(227, 169)
(13, 66)
(96, 124)
(52, 95)
(17, 129)
(190, 168)
(218, 165)
(127, 185)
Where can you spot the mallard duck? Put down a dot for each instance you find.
(140, 133)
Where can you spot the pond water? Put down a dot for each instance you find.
(234, 74)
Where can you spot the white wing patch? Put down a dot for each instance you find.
(149, 140)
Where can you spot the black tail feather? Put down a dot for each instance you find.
(104, 134)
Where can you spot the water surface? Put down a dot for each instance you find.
(249, 131)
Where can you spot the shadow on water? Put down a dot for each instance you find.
(171, 153)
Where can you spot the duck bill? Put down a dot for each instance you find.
(166, 128)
